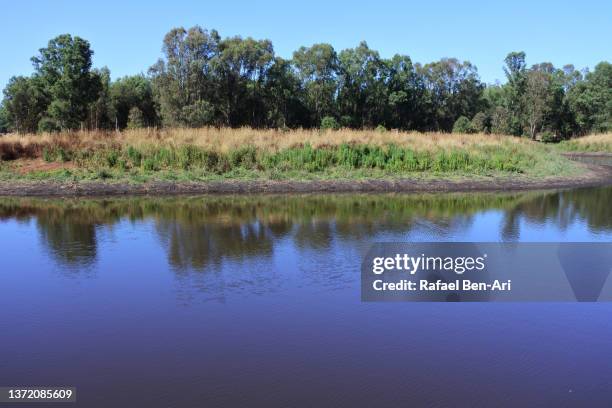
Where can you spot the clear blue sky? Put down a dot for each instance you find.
(126, 35)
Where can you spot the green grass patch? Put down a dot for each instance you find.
(305, 162)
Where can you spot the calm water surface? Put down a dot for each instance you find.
(254, 301)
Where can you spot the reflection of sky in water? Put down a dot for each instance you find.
(276, 307)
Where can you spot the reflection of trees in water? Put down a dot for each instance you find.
(593, 205)
(197, 245)
(67, 228)
(197, 232)
(71, 243)
(562, 209)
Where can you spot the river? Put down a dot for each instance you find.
(255, 301)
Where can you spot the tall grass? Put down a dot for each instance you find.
(227, 139)
(592, 143)
(221, 151)
(304, 158)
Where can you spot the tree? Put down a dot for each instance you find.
(453, 89)
(240, 70)
(135, 119)
(4, 119)
(132, 92)
(101, 113)
(205, 80)
(362, 93)
(283, 96)
(317, 68)
(514, 92)
(24, 104)
(537, 94)
(64, 71)
(406, 90)
(184, 78)
(591, 100)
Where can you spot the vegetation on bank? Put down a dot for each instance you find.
(203, 79)
(211, 154)
(601, 143)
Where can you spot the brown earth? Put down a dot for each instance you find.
(34, 165)
(595, 175)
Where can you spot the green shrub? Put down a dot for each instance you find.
(463, 125)
(381, 129)
(329, 123)
(481, 122)
(548, 137)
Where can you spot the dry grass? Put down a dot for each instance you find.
(226, 139)
(592, 143)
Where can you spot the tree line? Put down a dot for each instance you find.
(206, 80)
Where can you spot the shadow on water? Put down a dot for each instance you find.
(199, 232)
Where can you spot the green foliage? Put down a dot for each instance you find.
(64, 71)
(381, 129)
(548, 137)
(329, 123)
(463, 125)
(317, 67)
(591, 100)
(129, 96)
(454, 90)
(206, 80)
(23, 105)
(136, 119)
(390, 158)
(481, 122)
(4, 119)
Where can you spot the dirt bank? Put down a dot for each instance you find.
(594, 176)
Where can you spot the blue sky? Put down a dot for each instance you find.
(126, 36)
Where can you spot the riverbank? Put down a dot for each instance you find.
(196, 161)
(593, 175)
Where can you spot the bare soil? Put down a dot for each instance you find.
(34, 165)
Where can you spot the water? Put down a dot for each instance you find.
(254, 301)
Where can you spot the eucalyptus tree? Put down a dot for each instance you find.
(516, 76)
(405, 94)
(362, 86)
(182, 79)
(537, 94)
(453, 89)
(317, 67)
(284, 96)
(240, 70)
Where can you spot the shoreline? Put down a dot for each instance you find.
(595, 175)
